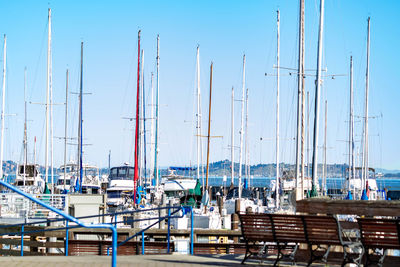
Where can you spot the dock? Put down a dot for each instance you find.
(136, 261)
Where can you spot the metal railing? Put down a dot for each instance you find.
(71, 222)
(69, 218)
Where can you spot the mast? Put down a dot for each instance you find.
(152, 129)
(325, 135)
(308, 139)
(198, 115)
(51, 124)
(144, 123)
(246, 153)
(365, 154)
(232, 138)
(136, 170)
(46, 165)
(157, 106)
(242, 129)
(65, 128)
(277, 112)
(3, 105)
(303, 104)
(25, 129)
(300, 86)
(80, 131)
(317, 92)
(209, 127)
(351, 125)
(141, 155)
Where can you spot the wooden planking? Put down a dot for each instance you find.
(353, 207)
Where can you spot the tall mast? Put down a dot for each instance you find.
(351, 125)
(325, 143)
(308, 138)
(317, 92)
(80, 126)
(51, 124)
(246, 151)
(157, 106)
(144, 124)
(25, 129)
(209, 126)
(277, 111)
(152, 129)
(141, 155)
(136, 167)
(46, 165)
(303, 100)
(300, 86)
(3, 105)
(65, 128)
(242, 129)
(365, 155)
(232, 138)
(198, 115)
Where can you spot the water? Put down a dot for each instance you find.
(331, 183)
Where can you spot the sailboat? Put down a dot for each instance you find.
(86, 180)
(361, 181)
(28, 177)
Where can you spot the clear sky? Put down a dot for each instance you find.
(224, 30)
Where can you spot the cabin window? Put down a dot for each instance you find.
(114, 194)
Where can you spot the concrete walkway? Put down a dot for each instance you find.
(122, 261)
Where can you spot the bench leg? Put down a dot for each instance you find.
(369, 260)
(382, 258)
(347, 259)
(280, 254)
(314, 257)
(247, 254)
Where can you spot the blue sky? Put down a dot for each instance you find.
(224, 30)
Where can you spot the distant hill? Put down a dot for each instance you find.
(223, 167)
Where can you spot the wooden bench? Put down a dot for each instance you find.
(257, 233)
(326, 231)
(287, 231)
(379, 234)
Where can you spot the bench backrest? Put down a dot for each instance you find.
(288, 228)
(256, 227)
(379, 233)
(322, 230)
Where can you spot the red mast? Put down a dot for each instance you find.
(136, 170)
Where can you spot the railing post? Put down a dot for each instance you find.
(115, 219)
(143, 243)
(22, 240)
(168, 230)
(114, 247)
(66, 238)
(191, 230)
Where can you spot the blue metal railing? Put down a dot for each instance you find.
(67, 218)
